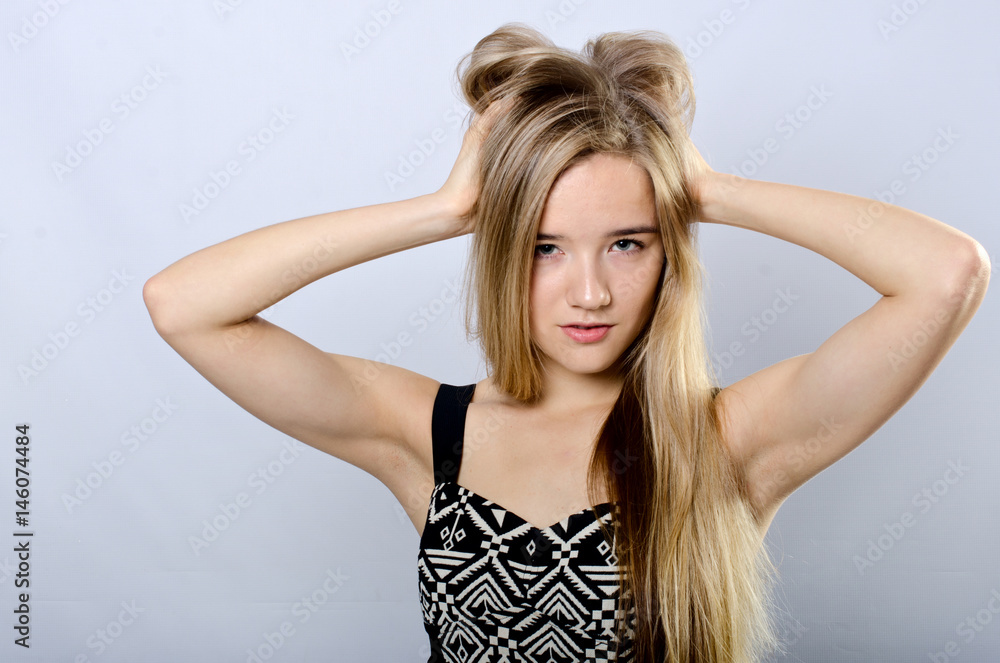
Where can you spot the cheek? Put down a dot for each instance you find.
(538, 303)
(641, 298)
(637, 287)
(541, 292)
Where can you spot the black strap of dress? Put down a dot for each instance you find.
(448, 429)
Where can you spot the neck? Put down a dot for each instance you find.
(568, 393)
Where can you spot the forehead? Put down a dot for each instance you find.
(595, 193)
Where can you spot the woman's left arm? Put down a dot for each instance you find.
(788, 422)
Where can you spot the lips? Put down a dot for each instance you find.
(586, 333)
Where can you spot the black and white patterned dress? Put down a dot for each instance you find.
(497, 589)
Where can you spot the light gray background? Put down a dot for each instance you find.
(354, 118)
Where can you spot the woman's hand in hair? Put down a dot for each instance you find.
(461, 190)
(705, 183)
(698, 173)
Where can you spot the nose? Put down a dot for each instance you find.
(588, 287)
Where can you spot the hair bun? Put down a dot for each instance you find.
(649, 67)
(644, 68)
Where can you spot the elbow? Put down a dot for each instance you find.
(981, 265)
(155, 297)
(966, 286)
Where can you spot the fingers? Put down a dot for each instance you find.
(484, 122)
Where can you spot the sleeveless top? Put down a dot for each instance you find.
(496, 589)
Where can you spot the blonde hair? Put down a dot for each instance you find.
(694, 568)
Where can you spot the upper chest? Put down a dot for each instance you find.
(505, 447)
(536, 466)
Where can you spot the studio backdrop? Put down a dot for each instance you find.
(148, 518)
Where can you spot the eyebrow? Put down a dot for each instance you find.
(615, 233)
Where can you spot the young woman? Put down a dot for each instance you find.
(596, 497)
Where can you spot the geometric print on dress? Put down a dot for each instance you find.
(495, 588)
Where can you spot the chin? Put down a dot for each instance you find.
(584, 367)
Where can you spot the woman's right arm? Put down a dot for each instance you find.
(372, 415)
(228, 283)
(205, 307)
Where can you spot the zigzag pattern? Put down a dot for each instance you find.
(496, 589)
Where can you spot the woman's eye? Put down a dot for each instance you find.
(638, 245)
(543, 250)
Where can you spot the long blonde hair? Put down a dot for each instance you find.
(694, 568)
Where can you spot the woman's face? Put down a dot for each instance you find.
(597, 261)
